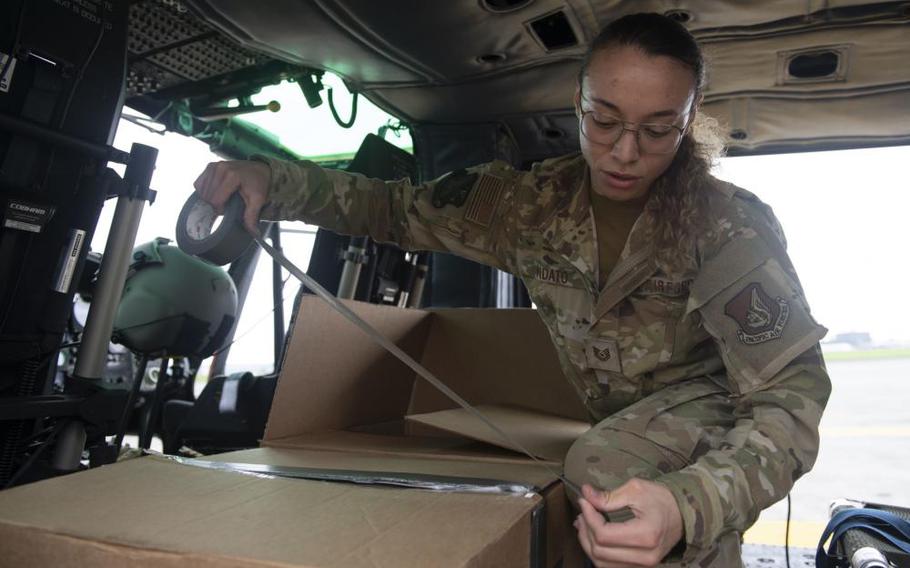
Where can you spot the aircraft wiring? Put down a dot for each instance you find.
(254, 325)
(145, 123)
(81, 72)
(72, 94)
(350, 122)
(36, 454)
(787, 534)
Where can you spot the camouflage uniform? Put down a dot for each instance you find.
(706, 378)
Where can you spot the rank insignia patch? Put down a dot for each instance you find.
(453, 189)
(603, 354)
(760, 317)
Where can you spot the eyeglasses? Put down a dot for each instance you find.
(652, 137)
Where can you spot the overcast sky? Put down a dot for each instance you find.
(846, 216)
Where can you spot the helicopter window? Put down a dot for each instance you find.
(312, 134)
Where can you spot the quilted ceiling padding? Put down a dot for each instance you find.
(456, 61)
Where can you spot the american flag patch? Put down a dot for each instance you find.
(483, 200)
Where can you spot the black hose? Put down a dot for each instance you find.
(787, 534)
(337, 118)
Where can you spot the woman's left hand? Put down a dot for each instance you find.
(642, 541)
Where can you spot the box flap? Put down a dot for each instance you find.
(495, 356)
(544, 435)
(414, 446)
(154, 505)
(335, 377)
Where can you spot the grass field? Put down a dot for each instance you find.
(865, 355)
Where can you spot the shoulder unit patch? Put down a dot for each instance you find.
(453, 189)
(760, 317)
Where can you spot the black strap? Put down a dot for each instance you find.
(887, 526)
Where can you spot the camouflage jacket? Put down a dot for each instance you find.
(735, 313)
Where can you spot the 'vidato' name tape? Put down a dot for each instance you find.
(198, 234)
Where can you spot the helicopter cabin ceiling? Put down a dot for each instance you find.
(784, 75)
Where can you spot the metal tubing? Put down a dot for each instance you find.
(42, 406)
(353, 262)
(115, 262)
(45, 134)
(131, 402)
(277, 297)
(868, 557)
(70, 444)
(415, 299)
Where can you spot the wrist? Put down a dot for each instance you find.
(699, 508)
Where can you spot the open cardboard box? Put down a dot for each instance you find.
(345, 410)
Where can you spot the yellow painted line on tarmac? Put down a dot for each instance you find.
(866, 432)
(802, 533)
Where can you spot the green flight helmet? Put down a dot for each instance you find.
(174, 303)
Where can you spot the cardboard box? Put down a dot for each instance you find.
(344, 410)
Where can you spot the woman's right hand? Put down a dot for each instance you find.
(220, 180)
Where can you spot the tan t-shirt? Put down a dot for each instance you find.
(613, 221)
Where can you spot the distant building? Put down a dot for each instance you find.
(856, 339)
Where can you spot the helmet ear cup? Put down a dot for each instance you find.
(180, 305)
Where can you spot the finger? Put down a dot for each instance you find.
(617, 504)
(622, 496)
(251, 212)
(598, 554)
(223, 185)
(201, 183)
(592, 516)
(216, 180)
(584, 537)
(630, 534)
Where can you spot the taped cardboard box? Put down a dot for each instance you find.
(341, 409)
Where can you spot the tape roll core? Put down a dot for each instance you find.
(200, 234)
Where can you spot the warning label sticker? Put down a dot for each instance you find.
(69, 260)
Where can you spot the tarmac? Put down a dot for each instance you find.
(865, 433)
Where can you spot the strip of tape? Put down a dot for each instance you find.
(396, 478)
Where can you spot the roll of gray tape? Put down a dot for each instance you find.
(198, 235)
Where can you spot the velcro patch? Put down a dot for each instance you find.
(484, 200)
(453, 189)
(763, 324)
(603, 354)
(760, 317)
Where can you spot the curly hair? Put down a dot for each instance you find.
(678, 199)
(678, 196)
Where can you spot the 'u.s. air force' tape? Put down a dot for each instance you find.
(198, 235)
(195, 236)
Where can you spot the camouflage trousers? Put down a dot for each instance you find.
(661, 433)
